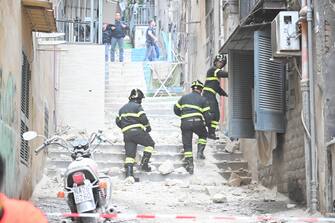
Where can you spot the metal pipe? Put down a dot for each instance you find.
(92, 15)
(305, 99)
(100, 21)
(312, 107)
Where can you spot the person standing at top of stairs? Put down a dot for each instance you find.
(107, 39)
(118, 34)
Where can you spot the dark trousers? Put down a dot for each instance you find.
(188, 127)
(215, 111)
(132, 138)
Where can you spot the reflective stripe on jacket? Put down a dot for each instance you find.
(130, 116)
(193, 105)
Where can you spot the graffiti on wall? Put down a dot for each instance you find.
(8, 133)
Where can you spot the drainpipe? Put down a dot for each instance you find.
(312, 107)
(304, 85)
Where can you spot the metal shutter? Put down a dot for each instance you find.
(25, 79)
(269, 86)
(241, 77)
(25, 86)
(24, 150)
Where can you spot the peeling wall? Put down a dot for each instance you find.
(16, 37)
(10, 71)
(324, 56)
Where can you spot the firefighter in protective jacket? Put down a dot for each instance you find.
(212, 87)
(135, 128)
(193, 109)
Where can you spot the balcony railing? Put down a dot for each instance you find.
(77, 31)
(246, 6)
(258, 8)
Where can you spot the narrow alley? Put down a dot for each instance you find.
(167, 111)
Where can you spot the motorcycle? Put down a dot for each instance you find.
(86, 190)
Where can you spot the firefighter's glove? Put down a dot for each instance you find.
(148, 129)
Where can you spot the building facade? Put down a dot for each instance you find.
(268, 109)
(26, 93)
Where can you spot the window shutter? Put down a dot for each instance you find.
(269, 86)
(241, 77)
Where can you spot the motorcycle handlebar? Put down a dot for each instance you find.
(40, 148)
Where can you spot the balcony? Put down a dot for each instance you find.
(40, 15)
(259, 11)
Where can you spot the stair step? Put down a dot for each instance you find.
(103, 165)
(227, 173)
(232, 165)
(228, 156)
(161, 148)
(118, 156)
(152, 176)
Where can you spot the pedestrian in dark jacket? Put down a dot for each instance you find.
(152, 51)
(107, 39)
(118, 34)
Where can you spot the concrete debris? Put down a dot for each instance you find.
(197, 188)
(245, 180)
(234, 180)
(183, 198)
(232, 146)
(172, 182)
(195, 181)
(211, 191)
(219, 198)
(113, 171)
(166, 168)
(180, 170)
(290, 206)
(129, 180)
(153, 168)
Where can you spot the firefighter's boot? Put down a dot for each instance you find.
(188, 165)
(129, 167)
(145, 162)
(200, 152)
(211, 133)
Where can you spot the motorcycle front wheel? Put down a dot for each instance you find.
(88, 220)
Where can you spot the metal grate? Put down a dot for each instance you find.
(25, 79)
(25, 86)
(243, 83)
(241, 79)
(24, 151)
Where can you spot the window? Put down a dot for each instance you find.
(209, 29)
(25, 80)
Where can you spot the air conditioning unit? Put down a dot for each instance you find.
(284, 36)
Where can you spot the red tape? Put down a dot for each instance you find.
(265, 218)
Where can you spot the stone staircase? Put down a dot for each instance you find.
(120, 79)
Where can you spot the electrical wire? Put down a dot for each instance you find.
(305, 127)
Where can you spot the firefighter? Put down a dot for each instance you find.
(212, 87)
(135, 128)
(193, 109)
